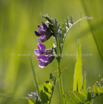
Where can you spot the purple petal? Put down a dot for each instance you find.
(42, 39)
(37, 52)
(51, 58)
(41, 47)
(37, 33)
(44, 25)
(42, 64)
(42, 58)
(41, 30)
(48, 51)
(39, 26)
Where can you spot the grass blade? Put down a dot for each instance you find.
(96, 23)
(78, 70)
(34, 76)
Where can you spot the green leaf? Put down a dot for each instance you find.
(30, 102)
(96, 90)
(84, 93)
(79, 97)
(68, 22)
(33, 101)
(56, 23)
(78, 70)
(48, 18)
(67, 99)
(101, 89)
(62, 32)
(53, 78)
(46, 90)
(64, 27)
(71, 19)
(73, 98)
(89, 97)
(88, 102)
(58, 26)
(48, 87)
(84, 96)
(44, 97)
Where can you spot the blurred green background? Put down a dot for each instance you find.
(19, 20)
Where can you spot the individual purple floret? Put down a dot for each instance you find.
(43, 33)
(45, 60)
(45, 56)
(41, 50)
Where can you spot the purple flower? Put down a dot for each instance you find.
(41, 50)
(43, 33)
(45, 60)
(45, 56)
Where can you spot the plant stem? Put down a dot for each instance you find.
(34, 76)
(60, 80)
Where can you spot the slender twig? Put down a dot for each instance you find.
(86, 17)
(93, 98)
(19, 97)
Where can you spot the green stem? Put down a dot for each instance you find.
(60, 80)
(34, 76)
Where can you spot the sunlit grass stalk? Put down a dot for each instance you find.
(34, 76)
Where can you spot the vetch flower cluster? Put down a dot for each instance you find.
(45, 56)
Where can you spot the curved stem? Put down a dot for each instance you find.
(86, 17)
(60, 80)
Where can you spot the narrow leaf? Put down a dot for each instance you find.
(79, 97)
(67, 99)
(84, 93)
(96, 90)
(44, 97)
(73, 98)
(64, 27)
(33, 101)
(68, 22)
(53, 78)
(71, 19)
(56, 22)
(89, 95)
(30, 102)
(78, 70)
(101, 89)
(47, 18)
